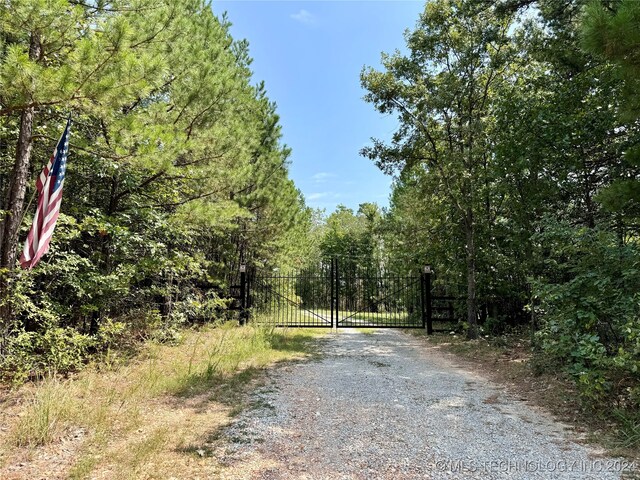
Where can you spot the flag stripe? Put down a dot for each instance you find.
(49, 186)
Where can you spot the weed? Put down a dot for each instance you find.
(366, 331)
(628, 431)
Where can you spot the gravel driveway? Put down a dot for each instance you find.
(389, 406)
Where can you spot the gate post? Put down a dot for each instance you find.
(243, 294)
(426, 281)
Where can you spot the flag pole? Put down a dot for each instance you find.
(24, 212)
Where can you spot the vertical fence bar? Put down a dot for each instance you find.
(292, 288)
(265, 298)
(427, 273)
(331, 292)
(291, 319)
(273, 298)
(316, 294)
(280, 312)
(275, 301)
(402, 318)
(398, 298)
(308, 281)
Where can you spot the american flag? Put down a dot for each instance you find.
(49, 186)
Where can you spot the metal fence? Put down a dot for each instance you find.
(338, 294)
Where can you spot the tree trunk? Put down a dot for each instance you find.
(472, 321)
(16, 192)
(14, 202)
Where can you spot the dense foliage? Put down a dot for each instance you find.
(516, 173)
(176, 173)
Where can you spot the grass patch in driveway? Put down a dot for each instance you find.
(366, 331)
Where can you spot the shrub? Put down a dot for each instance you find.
(590, 312)
(58, 349)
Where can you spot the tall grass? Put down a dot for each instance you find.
(628, 429)
(47, 413)
(110, 405)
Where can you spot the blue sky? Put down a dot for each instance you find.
(310, 55)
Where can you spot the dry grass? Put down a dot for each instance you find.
(45, 415)
(137, 421)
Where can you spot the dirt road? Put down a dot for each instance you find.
(386, 405)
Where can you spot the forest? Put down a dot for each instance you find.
(176, 174)
(515, 170)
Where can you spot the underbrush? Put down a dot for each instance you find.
(61, 350)
(66, 314)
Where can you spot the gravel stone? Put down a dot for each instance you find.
(387, 406)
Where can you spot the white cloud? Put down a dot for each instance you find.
(322, 177)
(303, 16)
(317, 196)
(314, 197)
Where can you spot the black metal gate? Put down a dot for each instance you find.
(337, 294)
(292, 299)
